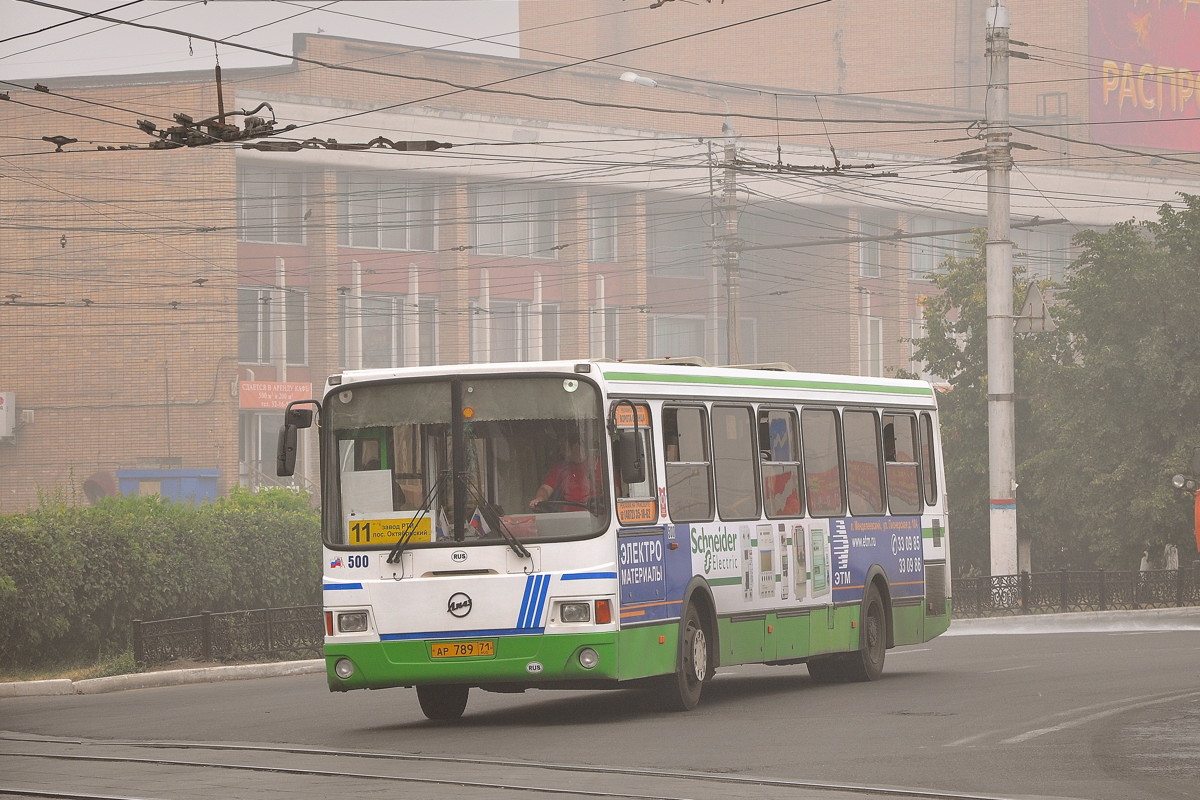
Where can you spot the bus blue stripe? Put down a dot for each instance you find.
(540, 604)
(333, 587)
(525, 600)
(536, 587)
(583, 576)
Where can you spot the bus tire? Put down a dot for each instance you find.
(443, 700)
(866, 664)
(826, 669)
(681, 690)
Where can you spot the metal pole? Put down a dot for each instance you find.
(729, 214)
(998, 253)
(730, 250)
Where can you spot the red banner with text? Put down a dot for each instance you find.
(1146, 93)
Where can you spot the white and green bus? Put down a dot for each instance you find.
(594, 524)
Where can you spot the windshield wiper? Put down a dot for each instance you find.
(401, 545)
(493, 519)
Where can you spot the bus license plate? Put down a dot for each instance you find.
(485, 647)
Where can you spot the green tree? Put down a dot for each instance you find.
(1108, 406)
(955, 348)
(1121, 411)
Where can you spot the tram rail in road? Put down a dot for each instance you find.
(314, 771)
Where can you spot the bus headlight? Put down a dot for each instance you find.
(352, 622)
(344, 668)
(588, 658)
(575, 612)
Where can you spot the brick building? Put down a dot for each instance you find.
(159, 306)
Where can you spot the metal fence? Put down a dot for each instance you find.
(231, 636)
(1063, 591)
(298, 632)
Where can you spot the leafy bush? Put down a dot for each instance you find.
(72, 578)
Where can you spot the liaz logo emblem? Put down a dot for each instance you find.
(458, 556)
(459, 605)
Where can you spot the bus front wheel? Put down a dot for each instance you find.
(681, 690)
(443, 701)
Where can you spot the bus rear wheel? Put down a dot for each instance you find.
(681, 690)
(867, 663)
(443, 701)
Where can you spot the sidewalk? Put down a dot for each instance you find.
(1155, 619)
(166, 677)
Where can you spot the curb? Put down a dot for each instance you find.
(170, 677)
(1150, 619)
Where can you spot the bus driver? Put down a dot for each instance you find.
(570, 483)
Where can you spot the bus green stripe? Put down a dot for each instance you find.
(787, 383)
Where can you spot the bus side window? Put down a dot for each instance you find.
(822, 462)
(734, 462)
(928, 467)
(779, 451)
(689, 471)
(863, 473)
(900, 463)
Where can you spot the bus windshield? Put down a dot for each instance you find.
(425, 462)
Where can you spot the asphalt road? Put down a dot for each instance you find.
(1107, 714)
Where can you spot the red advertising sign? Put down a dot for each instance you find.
(1147, 93)
(271, 394)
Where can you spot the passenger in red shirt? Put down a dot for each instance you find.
(570, 483)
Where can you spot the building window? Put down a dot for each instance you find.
(257, 442)
(1045, 254)
(295, 326)
(679, 238)
(509, 330)
(516, 221)
(514, 330)
(747, 340)
(550, 335)
(270, 206)
(871, 346)
(258, 324)
(389, 331)
(602, 227)
(676, 336)
(382, 212)
(254, 326)
(380, 322)
(425, 348)
(602, 331)
(870, 263)
(928, 253)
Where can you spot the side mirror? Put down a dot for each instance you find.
(285, 455)
(293, 420)
(632, 457)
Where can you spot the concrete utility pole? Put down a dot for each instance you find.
(729, 242)
(1002, 483)
(728, 237)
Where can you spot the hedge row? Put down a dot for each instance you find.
(72, 578)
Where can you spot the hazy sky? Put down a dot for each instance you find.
(36, 44)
